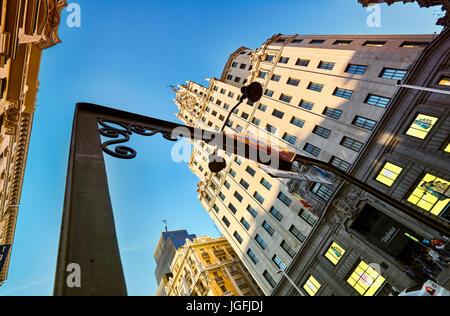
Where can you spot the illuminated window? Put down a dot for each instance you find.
(431, 194)
(335, 253)
(445, 81)
(421, 126)
(312, 286)
(389, 174)
(365, 280)
(447, 148)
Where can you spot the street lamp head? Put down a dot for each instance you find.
(253, 92)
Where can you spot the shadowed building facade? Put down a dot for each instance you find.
(363, 246)
(26, 29)
(323, 98)
(164, 253)
(209, 266)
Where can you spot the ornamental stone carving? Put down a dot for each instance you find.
(50, 33)
(347, 205)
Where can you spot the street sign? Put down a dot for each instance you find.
(4, 250)
(295, 176)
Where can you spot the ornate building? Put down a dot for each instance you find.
(209, 267)
(323, 97)
(444, 20)
(26, 29)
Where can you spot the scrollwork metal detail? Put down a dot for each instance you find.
(122, 132)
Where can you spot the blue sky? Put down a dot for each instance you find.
(125, 55)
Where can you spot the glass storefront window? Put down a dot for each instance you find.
(421, 126)
(335, 253)
(389, 174)
(365, 280)
(312, 286)
(429, 194)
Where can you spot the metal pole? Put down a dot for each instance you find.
(292, 282)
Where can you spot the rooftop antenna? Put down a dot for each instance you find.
(165, 224)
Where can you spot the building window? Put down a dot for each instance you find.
(250, 171)
(268, 228)
(232, 208)
(252, 211)
(315, 86)
(285, 98)
(276, 78)
(306, 105)
(395, 74)
(284, 60)
(260, 242)
(294, 231)
(343, 93)
(270, 58)
(312, 286)
(389, 174)
(285, 199)
(365, 280)
(342, 42)
(421, 126)
(430, 196)
(302, 62)
(262, 108)
(333, 113)
(415, 44)
(256, 121)
(326, 65)
(374, 43)
(269, 279)
(298, 122)
(317, 41)
(351, 144)
(231, 94)
(238, 196)
(245, 223)
(223, 91)
(297, 41)
(311, 220)
(278, 114)
(266, 184)
(339, 163)
(244, 184)
(268, 93)
(276, 214)
(238, 237)
(364, 123)
(252, 256)
(288, 249)
(222, 197)
(290, 139)
(311, 149)
(216, 208)
(234, 65)
(227, 185)
(444, 81)
(322, 192)
(322, 132)
(278, 262)
(293, 82)
(226, 221)
(237, 79)
(356, 69)
(232, 173)
(271, 129)
(259, 197)
(243, 66)
(244, 115)
(377, 100)
(335, 253)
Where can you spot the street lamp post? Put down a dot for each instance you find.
(292, 282)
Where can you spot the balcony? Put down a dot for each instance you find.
(219, 280)
(220, 253)
(205, 255)
(228, 293)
